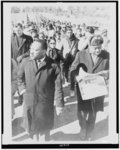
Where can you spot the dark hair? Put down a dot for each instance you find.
(50, 27)
(90, 29)
(96, 40)
(51, 38)
(19, 25)
(57, 32)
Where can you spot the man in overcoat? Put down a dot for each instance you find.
(39, 80)
(20, 44)
(92, 60)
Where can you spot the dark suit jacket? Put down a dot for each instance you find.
(83, 59)
(23, 49)
(43, 86)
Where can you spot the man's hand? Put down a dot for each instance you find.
(59, 110)
(19, 59)
(104, 73)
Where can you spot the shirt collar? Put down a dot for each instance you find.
(42, 59)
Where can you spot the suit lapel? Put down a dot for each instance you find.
(34, 66)
(89, 60)
(22, 43)
(42, 65)
(98, 62)
(72, 44)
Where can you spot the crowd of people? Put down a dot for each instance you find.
(45, 58)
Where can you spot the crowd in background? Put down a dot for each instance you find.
(64, 41)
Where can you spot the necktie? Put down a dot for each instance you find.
(39, 63)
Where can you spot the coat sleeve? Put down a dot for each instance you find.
(75, 48)
(59, 97)
(75, 63)
(14, 69)
(29, 42)
(21, 78)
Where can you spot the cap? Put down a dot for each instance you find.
(96, 40)
(90, 29)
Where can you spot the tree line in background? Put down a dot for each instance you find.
(77, 11)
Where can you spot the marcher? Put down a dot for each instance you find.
(84, 41)
(59, 41)
(63, 31)
(42, 85)
(92, 60)
(34, 34)
(20, 44)
(53, 52)
(70, 48)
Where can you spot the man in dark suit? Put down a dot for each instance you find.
(39, 80)
(92, 60)
(20, 44)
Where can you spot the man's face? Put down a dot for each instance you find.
(69, 33)
(96, 50)
(19, 31)
(36, 51)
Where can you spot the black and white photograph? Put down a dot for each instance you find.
(60, 73)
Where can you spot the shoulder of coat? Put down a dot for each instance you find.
(27, 36)
(13, 35)
(26, 60)
(105, 54)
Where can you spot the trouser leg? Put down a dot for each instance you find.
(67, 65)
(91, 121)
(66, 70)
(90, 125)
(47, 135)
(72, 81)
(82, 122)
(82, 119)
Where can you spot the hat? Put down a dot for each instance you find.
(90, 29)
(96, 40)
